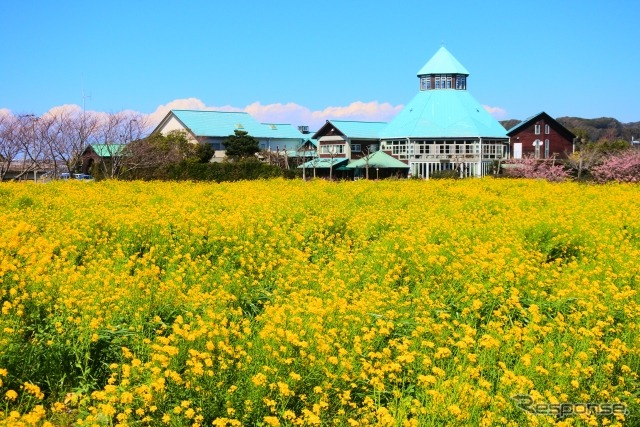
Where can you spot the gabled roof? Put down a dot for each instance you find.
(106, 150)
(218, 123)
(225, 123)
(308, 138)
(283, 131)
(547, 119)
(353, 128)
(443, 114)
(443, 62)
(379, 159)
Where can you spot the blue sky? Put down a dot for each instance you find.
(302, 62)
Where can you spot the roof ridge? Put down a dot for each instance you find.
(354, 121)
(211, 111)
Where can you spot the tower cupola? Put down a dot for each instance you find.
(443, 71)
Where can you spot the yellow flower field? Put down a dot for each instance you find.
(285, 303)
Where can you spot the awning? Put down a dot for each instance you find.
(379, 159)
(319, 163)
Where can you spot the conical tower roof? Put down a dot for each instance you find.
(443, 62)
(443, 114)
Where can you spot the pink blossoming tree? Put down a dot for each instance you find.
(621, 167)
(530, 167)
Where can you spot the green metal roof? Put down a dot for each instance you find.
(307, 138)
(359, 129)
(107, 150)
(443, 62)
(320, 163)
(283, 131)
(379, 159)
(445, 113)
(225, 123)
(301, 153)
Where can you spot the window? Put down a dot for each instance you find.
(423, 83)
(332, 149)
(448, 82)
(356, 148)
(460, 82)
(537, 129)
(428, 83)
(459, 148)
(536, 144)
(373, 148)
(546, 148)
(547, 129)
(437, 82)
(444, 149)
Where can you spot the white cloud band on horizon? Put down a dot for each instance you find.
(289, 113)
(292, 113)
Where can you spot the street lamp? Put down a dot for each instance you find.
(377, 174)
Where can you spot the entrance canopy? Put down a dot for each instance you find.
(320, 163)
(380, 160)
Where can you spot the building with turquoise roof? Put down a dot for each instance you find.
(443, 127)
(213, 127)
(348, 139)
(342, 141)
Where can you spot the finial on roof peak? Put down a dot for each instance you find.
(443, 62)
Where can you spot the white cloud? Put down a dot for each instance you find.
(64, 109)
(291, 112)
(498, 113)
(178, 104)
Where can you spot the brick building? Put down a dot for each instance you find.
(542, 137)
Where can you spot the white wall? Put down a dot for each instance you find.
(174, 124)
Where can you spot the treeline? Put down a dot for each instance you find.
(54, 142)
(121, 148)
(603, 128)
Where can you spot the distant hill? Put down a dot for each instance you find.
(597, 129)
